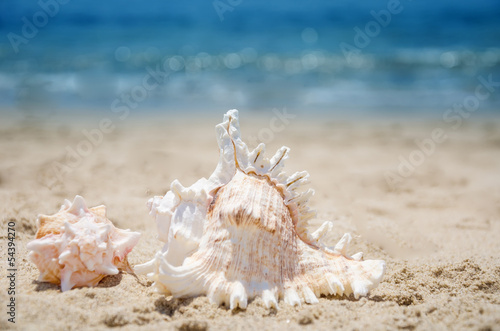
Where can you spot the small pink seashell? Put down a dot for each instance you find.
(79, 246)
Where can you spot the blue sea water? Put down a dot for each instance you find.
(360, 57)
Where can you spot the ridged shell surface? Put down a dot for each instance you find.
(243, 232)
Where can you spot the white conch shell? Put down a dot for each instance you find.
(79, 246)
(243, 233)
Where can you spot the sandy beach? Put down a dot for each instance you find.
(430, 209)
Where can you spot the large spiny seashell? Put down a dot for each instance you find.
(243, 233)
(79, 246)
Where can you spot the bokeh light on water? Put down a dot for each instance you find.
(261, 55)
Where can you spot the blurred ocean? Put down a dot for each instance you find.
(351, 57)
